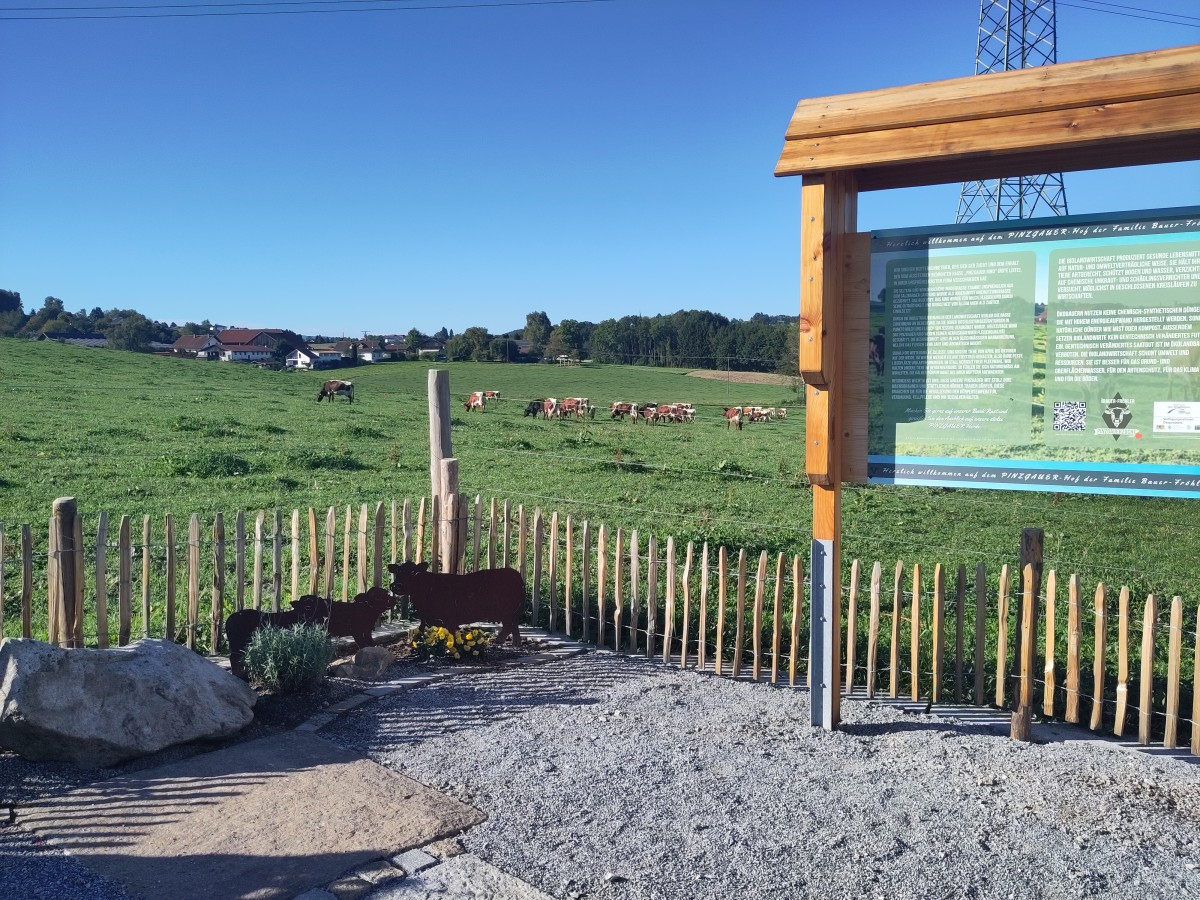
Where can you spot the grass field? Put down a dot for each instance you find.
(138, 435)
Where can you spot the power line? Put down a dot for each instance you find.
(1131, 12)
(342, 7)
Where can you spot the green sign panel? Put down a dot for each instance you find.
(1056, 355)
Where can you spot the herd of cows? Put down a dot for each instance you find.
(651, 413)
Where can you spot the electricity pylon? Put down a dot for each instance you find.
(1014, 34)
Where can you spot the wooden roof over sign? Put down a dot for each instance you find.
(1098, 113)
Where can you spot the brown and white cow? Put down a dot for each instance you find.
(491, 395)
(575, 406)
(474, 401)
(550, 408)
(733, 416)
(781, 413)
(334, 388)
(620, 409)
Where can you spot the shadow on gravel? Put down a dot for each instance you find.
(469, 701)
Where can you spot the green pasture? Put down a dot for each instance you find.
(139, 435)
(143, 435)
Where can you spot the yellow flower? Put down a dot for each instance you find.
(457, 656)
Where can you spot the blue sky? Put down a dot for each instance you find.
(377, 171)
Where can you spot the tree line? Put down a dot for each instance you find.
(695, 339)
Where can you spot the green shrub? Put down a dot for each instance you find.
(206, 464)
(287, 660)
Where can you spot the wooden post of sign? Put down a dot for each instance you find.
(828, 206)
(62, 529)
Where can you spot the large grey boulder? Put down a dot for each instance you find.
(102, 707)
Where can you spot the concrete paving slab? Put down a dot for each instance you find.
(266, 819)
(465, 877)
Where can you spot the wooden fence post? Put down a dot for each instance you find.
(777, 620)
(193, 584)
(439, 436)
(1002, 638)
(1021, 726)
(538, 540)
(552, 592)
(702, 629)
(685, 631)
(101, 582)
(329, 564)
(873, 628)
(980, 618)
(894, 659)
(1074, 638)
(1101, 643)
(1122, 661)
(27, 582)
(124, 582)
(601, 582)
(568, 572)
(146, 577)
(1146, 681)
(276, 559)
(449, 532)
(314, 553)
(491, 547)
(722, 595)
(915, 633)
(1174, 657)
(739, 636)
(651, 595)
(585, 581)
(960, 606)
(169, 541)
(797, 615)
(377, 557)
(618, 587)
(852, 627)
(1048, 672)
(62, 570)
(218, 582)
(295, 560)
(759, 586)
(669, 613)
(259, 527)
(939, 620)
(634, 574)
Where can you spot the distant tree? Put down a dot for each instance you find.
(96, 313)
(442, 334)
(503, 349)
(192, 328)
(10, 301)
(458, 349)
(132, 332)
(537, 332)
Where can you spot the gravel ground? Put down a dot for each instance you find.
(607, 777)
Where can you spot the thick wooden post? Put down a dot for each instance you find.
(62, 571)
(1021, 728)
(439, 432)
(828, 214)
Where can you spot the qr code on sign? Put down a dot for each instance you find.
(1069, 415)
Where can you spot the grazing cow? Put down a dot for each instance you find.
(356, 619)
(491, 395)
(621, 409)
(474, 401)
(781, 413)
(550, 408)
(733, 416)
(576, 406)
(241, 625)
(649, 412)
(534, 408)
(451, 601)
(336, 388)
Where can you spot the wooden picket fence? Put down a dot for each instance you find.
(727, 612)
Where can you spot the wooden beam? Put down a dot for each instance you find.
(1102, 128)
(856, 335)
(1113, 79)
(829, 213)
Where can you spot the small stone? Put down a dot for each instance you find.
(350, 888)
(414, 861)
(377, 872)
(614, 878)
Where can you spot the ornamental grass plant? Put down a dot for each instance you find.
(442, 643)
(288, 660)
